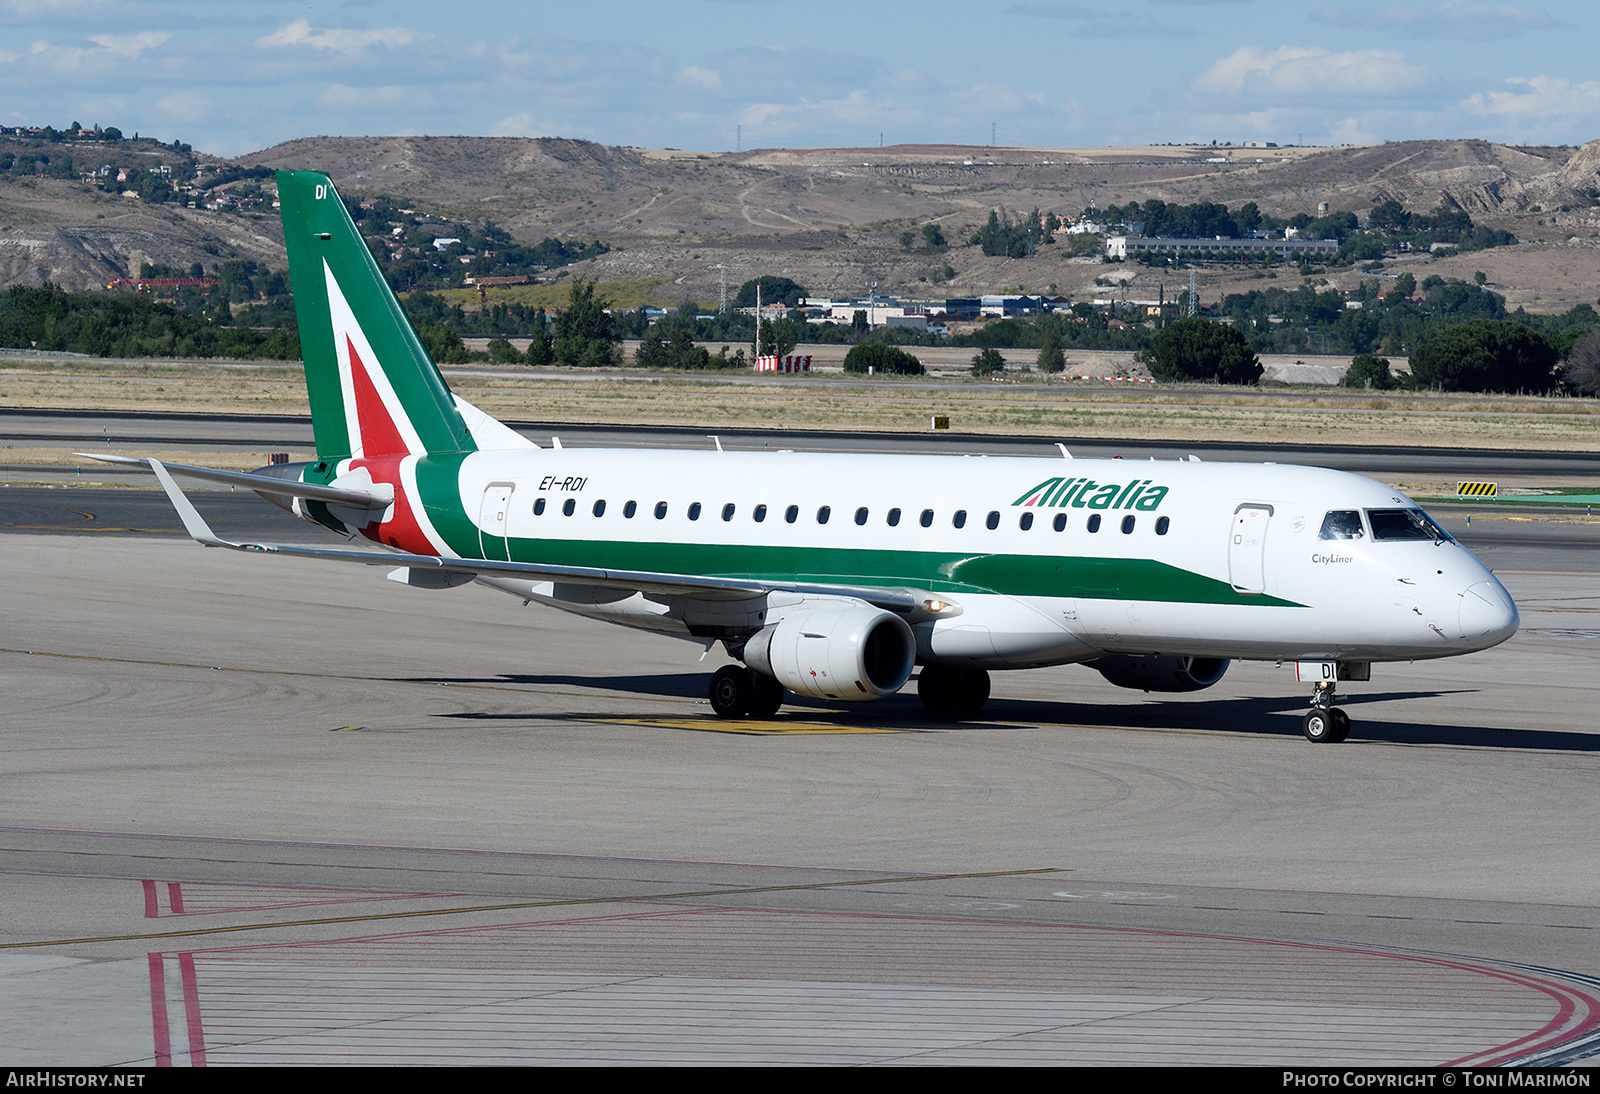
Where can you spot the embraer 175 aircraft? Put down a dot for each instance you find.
(835, 575)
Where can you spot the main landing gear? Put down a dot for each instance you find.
(736, 692)
(949, 691)
(1326, 723)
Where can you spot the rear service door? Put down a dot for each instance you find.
(492, 517)
(1247, 547)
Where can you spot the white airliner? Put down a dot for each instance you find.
(835, 576)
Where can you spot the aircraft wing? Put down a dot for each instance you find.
(901, 600)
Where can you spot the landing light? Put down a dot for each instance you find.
(935, 607)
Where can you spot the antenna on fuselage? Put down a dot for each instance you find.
(1064, 453)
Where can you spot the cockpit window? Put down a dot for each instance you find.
(1341, 524)
(1405, 524)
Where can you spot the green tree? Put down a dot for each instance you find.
(881, 358)
(1198, 349)
(1368, 371)
(1581, 371)
(987, 361)
(1486, 355)
(1051, 359)
(774, 290)
(933, 238)
(501, 351)
(443, 344)
(584, 334)
(652, 351)
(1405, 286)
(778, 337)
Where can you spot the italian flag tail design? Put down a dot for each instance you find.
(374, 391)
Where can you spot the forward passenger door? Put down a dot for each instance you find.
(1247, 547)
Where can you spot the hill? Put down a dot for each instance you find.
(832, 219)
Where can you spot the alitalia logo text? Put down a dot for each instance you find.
(1061, 493)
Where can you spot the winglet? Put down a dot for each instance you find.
(193, 522)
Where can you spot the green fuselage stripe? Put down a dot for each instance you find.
(1010, 575)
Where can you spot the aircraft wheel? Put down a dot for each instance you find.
(973, 692)
(1321, 726)
(732, 688)
(945, 690)
(766, 696)
(936, 687)
(1341, 724)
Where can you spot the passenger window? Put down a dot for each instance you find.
(759, 514)
(1127, 524)
(1060, 524)
(1341, 524)
(824, 513)
(893, 518)
(791, 514)
(694, 510)
(727, 511)
(629, 509)
(600, 508)
(661, 510)
(1094, 522)
(960, 519)
(1162, 524)
(568, 507)
(1025, 521)
(993, 520)
(861, 515)
(927, 518)
(538, 507)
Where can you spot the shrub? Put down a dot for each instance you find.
(879, 357)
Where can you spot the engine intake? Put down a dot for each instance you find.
(1161, 673)
(851, 652)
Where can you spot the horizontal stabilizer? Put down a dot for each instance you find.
(380, 497)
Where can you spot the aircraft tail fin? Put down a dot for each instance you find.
(373, 388)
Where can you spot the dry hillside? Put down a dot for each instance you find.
(831, 218)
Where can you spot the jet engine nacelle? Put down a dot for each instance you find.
(1161, 673)
(853, 652)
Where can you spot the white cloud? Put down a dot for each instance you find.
(188, 107)
(1349, 131)
(701, 77)
(1537, 97)
(520, 124)
(391, 96)
(130, 45)
(300, 33)
(1467, 19)
(1310, 71)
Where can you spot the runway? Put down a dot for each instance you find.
(257, 810)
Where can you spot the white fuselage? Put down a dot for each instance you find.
(1227, 562)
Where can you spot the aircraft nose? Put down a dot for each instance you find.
(1487, 614)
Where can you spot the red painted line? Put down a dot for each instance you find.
(175, 897)
(151, 909)
(191, 1010)
(158, 1007)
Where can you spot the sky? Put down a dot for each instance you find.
(716, 75)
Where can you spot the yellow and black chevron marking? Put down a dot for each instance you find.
(1477, 489)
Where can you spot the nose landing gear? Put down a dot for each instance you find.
(1326, 723)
